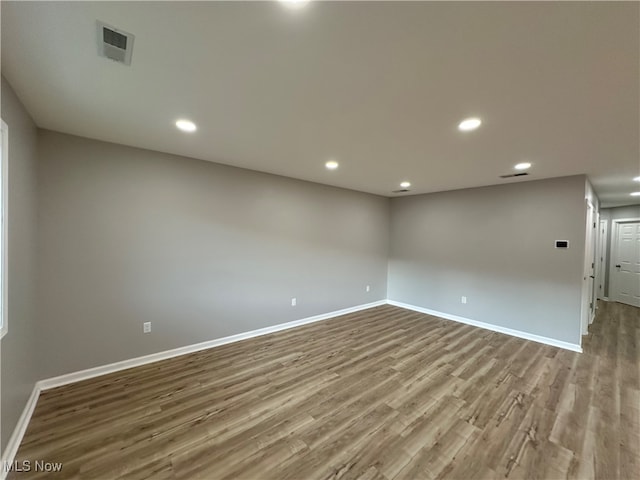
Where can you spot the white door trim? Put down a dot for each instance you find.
(594, 270)
(586, 310)
(601, 260)
(615, 227)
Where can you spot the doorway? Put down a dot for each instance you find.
(588, 290)
(601, 260)
(625, 262)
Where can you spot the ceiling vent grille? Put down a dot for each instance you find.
(511, 175)
(114, 44)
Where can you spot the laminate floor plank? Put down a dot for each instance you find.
(380, 394)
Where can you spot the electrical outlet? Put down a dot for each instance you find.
(463, 300)
(294, 302)
(146, 327)
(368, 288)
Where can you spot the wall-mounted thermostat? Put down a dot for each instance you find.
(562, 243)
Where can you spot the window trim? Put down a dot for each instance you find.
(4, 160)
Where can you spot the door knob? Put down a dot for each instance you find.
(617, 266)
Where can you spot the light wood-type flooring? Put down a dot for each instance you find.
(385, 393)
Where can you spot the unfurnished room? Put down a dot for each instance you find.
(307, 239)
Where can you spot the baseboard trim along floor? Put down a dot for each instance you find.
(18, 433)
(176, 352)
(11, 449)
(21, 427)
(488, 326)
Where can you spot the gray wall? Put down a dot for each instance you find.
(494, 245)
(19, 368)
(609, 214)
(201, 250)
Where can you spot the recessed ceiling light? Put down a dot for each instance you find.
(522, 166)
(405, 184)
(331, 164)
(294, 4)
(469, 124)
(637, 179)
(186, 125)
(635, 194)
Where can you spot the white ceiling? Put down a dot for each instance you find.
(378, 86)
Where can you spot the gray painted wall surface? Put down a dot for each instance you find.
(494, 245)
(19, 368)
(201, 250)
(609, 214)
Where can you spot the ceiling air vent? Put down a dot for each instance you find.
(404, 190)
(511, 175)
(114, 43)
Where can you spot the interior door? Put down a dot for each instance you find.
(601, 259)
(591, 262)
(588, 305)
(626, 271)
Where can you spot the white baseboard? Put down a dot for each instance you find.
(509, 331)
(21, 427)
(176, 352)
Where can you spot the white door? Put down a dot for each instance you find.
(592, 266)
(601, 259)
(588, 301)
(626, 260)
